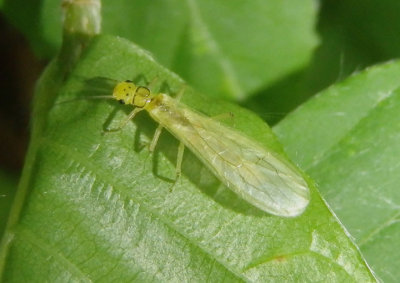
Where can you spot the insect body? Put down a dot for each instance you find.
(254, 172)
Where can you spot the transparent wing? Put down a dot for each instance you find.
(256, 174)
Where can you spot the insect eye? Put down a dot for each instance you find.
(121, 101)
(143, 91)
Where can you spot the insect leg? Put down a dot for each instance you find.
(152, 83)
(125, 121)
(178, 169)
(179, 158)
(155, 138)
(224, 116)
(180, 94)
(143, 81)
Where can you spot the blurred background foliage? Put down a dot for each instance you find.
(348, 37)
(351, 37)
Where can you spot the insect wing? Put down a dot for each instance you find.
(256, 174)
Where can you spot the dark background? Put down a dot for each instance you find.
(19, 71)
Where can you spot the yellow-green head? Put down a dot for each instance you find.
(128, 93)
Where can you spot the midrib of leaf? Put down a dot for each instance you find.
(213, 46)
(352, 261)
(328, 151)
(100, 174)
(76, 36)
(269, 259)
(23, 186)
(379, 86)
(385, 224)
(103, 175)
(369, 82)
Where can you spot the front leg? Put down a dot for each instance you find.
(125, 121)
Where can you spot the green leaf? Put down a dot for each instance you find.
(100, 208)
(231, 48)
(39, 21)
(8, 185)
(347, 139)
(352, 37)
(225, 48)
